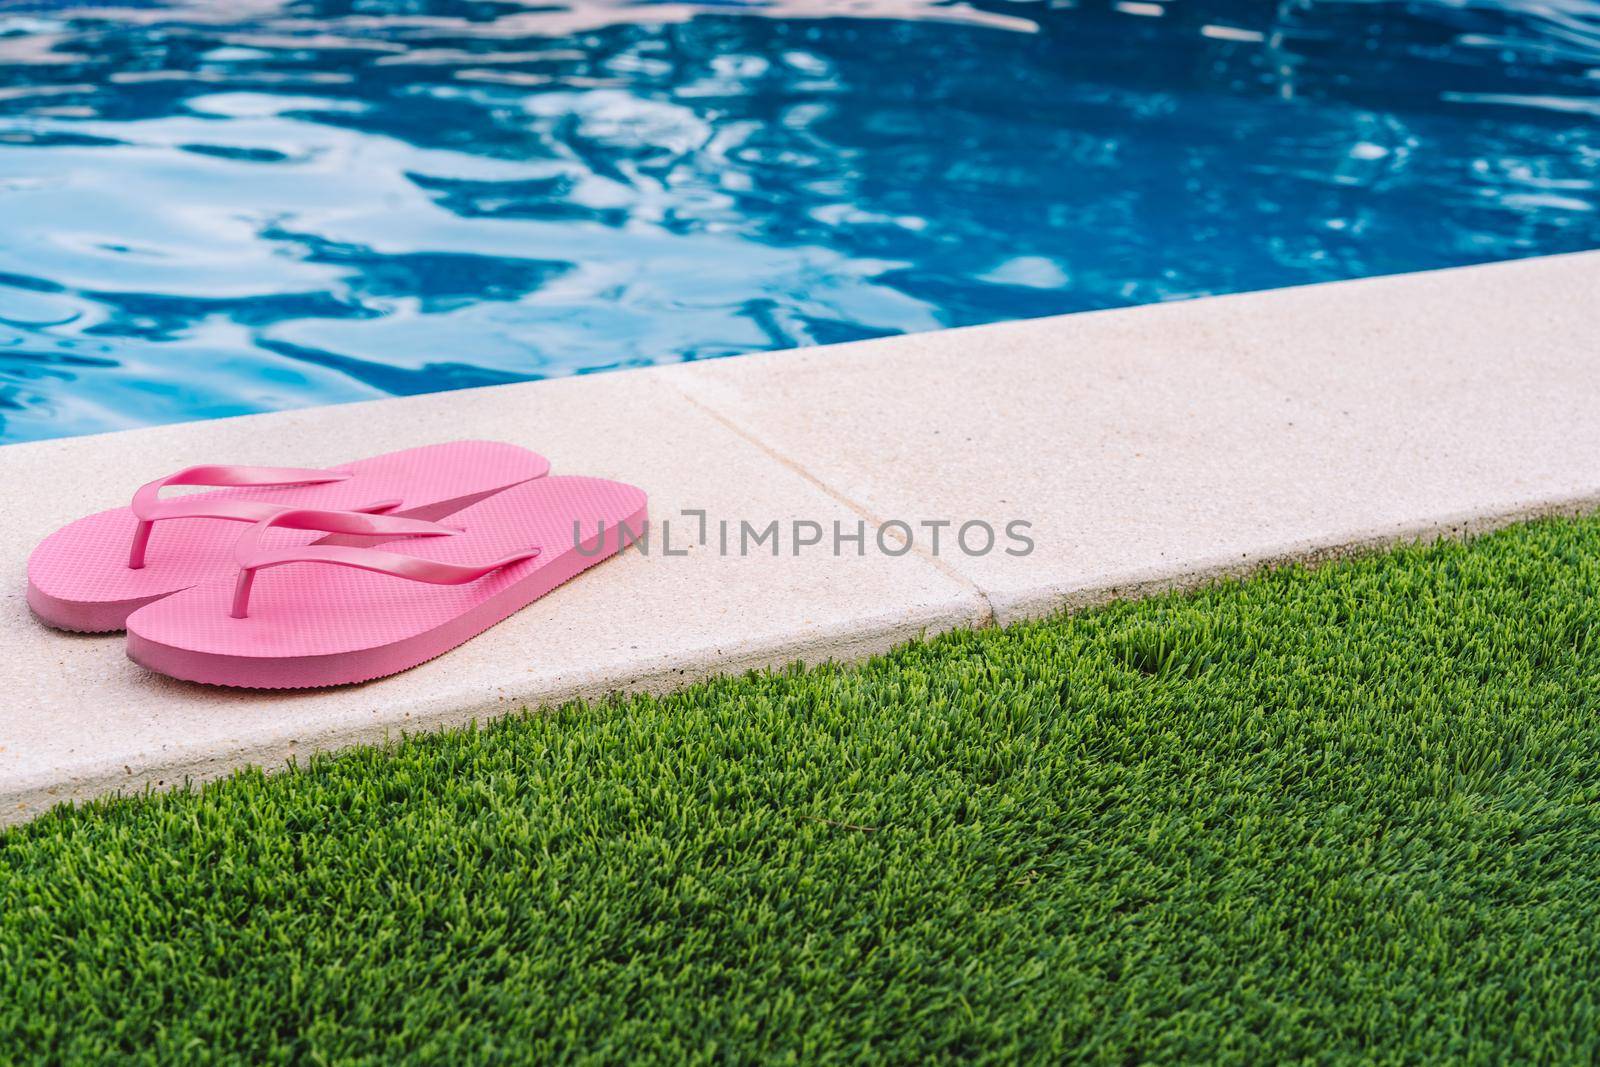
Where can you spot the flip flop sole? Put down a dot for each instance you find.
(81, 617)
(78, 578)
(353, 665)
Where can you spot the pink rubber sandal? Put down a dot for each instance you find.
(91, 574)
(298, 615)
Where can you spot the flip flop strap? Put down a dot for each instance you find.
(253, 556)
(149, 508)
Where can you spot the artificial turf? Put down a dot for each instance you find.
(1348, 814)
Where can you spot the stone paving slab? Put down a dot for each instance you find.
(1159, 446)
(80, 719)
(1147, 448)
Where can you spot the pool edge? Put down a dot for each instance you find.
(1157, 447)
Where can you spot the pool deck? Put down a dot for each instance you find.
(1150, 448)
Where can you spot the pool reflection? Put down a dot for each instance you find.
(204, 214)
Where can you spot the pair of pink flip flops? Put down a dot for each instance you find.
(302, 597)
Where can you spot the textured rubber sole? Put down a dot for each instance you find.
(81, 618)
(348, 668)
(108, 617)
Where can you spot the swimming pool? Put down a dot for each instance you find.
(205, 214)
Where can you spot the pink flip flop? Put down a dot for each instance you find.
(300, 615)
(91, 574)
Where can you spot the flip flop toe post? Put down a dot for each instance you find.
(297, 615)
(91, 574)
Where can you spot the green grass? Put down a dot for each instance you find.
(1333, 815)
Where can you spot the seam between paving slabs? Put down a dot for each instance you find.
(789, 463)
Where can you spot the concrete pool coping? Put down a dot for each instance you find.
(1147, 449)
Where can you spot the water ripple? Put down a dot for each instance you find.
(210, 209)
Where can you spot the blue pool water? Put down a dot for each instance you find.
(210, 208)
